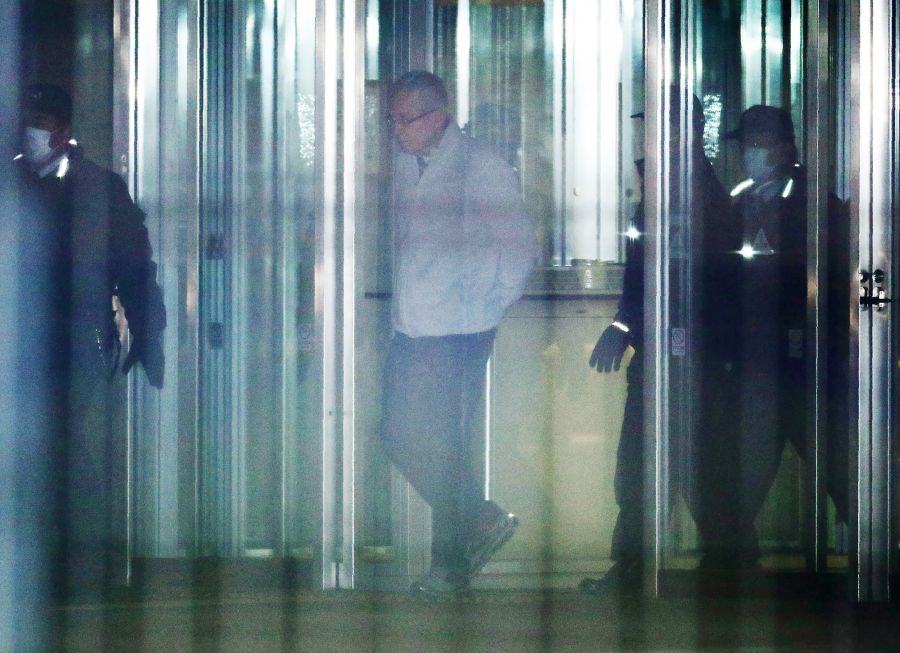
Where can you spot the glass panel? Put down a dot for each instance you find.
(552, 85)
(224, 164)
(374, 536)
(295, 161)
(573, 144)
(737, 330)
(839, 278)
(532, 78)
(258, 282)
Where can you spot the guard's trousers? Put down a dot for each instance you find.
(627, 540)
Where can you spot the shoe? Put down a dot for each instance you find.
(622, 578)
(439, 582)
(488, 538)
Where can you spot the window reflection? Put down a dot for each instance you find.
(551, 85)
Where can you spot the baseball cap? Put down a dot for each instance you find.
(762, 119)
(50, 99)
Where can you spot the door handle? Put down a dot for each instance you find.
(871, 294)
(879, 300)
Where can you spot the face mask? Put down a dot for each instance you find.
(756, 165)
(36, 145)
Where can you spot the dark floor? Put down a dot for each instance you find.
(492, 621)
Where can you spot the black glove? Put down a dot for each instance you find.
(610, 348)
(150, 354)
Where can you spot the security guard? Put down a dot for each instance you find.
(84, 250)
(709, 200)
(754, 397)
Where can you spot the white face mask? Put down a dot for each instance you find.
(36, 145)
(756, 163)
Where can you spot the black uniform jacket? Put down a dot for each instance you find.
(709, 203)
(83, 240)
(769, 282)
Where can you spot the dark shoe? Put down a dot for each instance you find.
(492, 534)
(439, 582)
(622, 578)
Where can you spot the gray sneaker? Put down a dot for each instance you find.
(488, 539)
(440, 582)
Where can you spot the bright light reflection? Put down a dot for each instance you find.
(775, 46)
(372, 40)
(741, 187)
(63, 167)
(632, 233)
(249, 40)
(789, 187)
(747, 251)
(463, 49)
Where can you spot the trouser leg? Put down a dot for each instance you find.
(88, 501)
(427, 398)
(715, 446)
(742, 439)
(627, 540)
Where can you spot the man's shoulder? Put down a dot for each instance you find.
(90, 181)
(82, 166)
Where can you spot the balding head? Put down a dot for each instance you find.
(418, 111)
(426, 89)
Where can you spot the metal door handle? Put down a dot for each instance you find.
(879, 299)
(871, 294)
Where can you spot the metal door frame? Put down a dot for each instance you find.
(873, 25)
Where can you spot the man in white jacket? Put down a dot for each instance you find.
(463, 249)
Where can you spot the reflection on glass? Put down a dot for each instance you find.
(551, 86)
(739, 394)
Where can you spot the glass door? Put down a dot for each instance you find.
(748, 377)
(222, 131)
(770, 200)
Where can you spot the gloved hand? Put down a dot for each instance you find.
(610, 348)
(149, 352)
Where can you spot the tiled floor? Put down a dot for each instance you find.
(492, 621)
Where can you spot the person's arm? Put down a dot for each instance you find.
(628, 324)
(497, 201)
(134, 277)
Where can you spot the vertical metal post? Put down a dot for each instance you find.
(354, 41)
(872, 178)
(327, 58)
(817, 76)
(463, 56)
(555, 26)
(23, 624)
(122, 157)
(658, 64)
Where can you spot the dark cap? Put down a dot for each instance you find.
(675, 107)
(50, 99)
(761, 119)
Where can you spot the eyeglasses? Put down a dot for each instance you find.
(406, 122)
